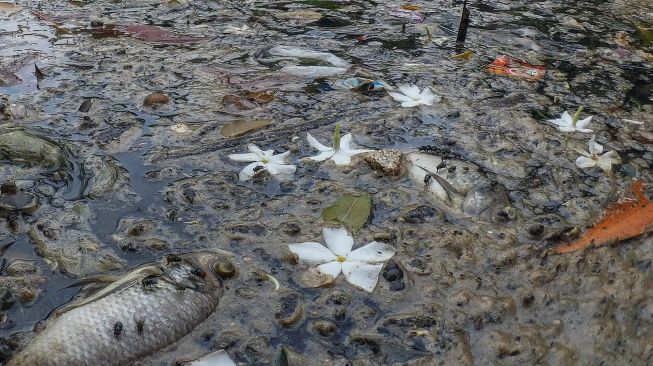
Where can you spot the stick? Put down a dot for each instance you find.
(464, 24)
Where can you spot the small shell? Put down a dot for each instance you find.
(224, 269)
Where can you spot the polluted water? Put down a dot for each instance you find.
(326, 182)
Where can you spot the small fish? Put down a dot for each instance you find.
(76, 334)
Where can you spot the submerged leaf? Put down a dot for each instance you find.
(236, 128)
(352, 211)
(622, 221)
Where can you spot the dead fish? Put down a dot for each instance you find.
(84, 332)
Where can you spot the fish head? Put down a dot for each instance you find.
(218, 265)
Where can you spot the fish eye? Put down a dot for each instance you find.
(224, 268)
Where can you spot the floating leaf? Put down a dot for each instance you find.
(150, 33)
(622, 221)
(8, 8)
(351, 211)
(463, 56)
(236, 128)
(411, 7)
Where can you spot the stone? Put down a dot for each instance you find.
(387, 161)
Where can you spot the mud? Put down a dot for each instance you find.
(107, 179)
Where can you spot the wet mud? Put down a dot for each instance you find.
(117, 119)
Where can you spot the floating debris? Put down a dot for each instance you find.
(128, 299)
(340, 152)
(506, 65)
(595, 157)
(360, 266)
(353, 211)
(263, 160)
(621, 221)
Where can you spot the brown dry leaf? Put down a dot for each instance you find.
(261, 96)
(622, 221)
(236, 128)
(411, 7)
(8, 8)
(155, 98)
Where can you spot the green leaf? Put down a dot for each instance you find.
(336, 137)
(576, 116)
(349, 210)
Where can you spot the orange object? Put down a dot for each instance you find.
(411, 7)
(622, 221)
(506, 65)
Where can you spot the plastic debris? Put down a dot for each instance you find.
(329, 58)
(506, 65)
(338, 65)
(365, 85)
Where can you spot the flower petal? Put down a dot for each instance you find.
(362, 274)
(567, 118)
(331, 268)
(245, 157)
(595, 147)
(324, 155)
(585, 162)
(279, 158)
(582, 123)
(560, 122)
(345, 141)
(604, 163)
(400, 97)
(311, 252)
(281, 169)
(566, 128)
(256, 150)
(411, 91)
(316, 144)
(248, 171)
(373, 252)
(352, 152)
(586, 130)
(338, 240)
(341, 157)
(428, 97)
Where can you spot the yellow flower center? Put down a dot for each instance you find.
(341, 258)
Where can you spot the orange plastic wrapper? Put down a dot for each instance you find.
(506, 65)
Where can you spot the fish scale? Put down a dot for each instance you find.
(85, 335)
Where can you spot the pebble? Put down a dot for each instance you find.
(387, 161)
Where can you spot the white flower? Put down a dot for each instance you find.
(340, 153)
(594, 157)
(260, 159)
(361, 266)
(569, 123)
(410, 96)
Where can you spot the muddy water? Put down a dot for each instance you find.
(115, 185)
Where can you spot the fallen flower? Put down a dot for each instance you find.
(595, 157)
(567, 123)
(275, 164)
(622, 221)
(410, 96)
(340, 153)
(361, 266)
